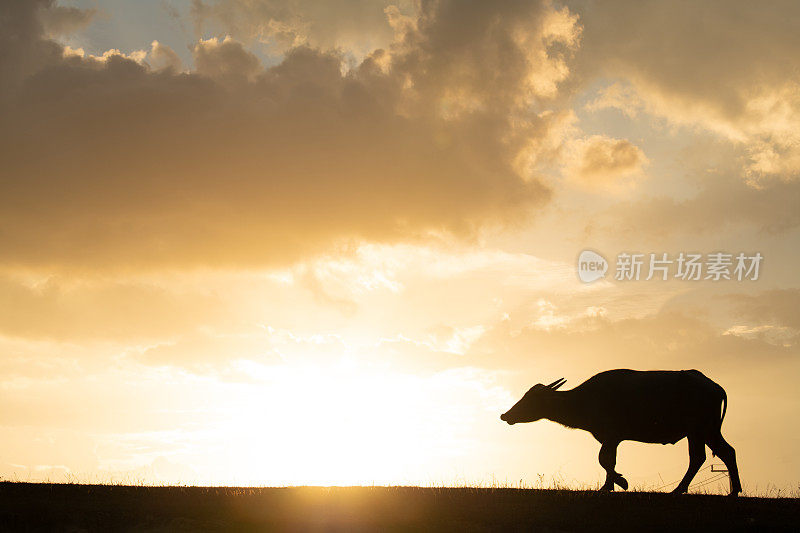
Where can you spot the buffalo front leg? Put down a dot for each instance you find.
(697, 456)
(608, 460)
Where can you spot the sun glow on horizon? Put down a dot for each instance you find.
(340, 424)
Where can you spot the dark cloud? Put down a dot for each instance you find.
(225, 60)
(111, 164)
(23, 48)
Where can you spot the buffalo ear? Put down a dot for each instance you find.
(556, 384)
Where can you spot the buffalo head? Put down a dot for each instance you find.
(533, 405)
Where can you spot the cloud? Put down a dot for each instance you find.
(617, 96)
(207, 351)
(779, 307)
(225, 59)
(162, 56)
(603, 163)
(359, 25)
(717, 66)
(61, 20)
(591, 341)
(117, 311)
(114, 164)
(722, 202)
(23, 49)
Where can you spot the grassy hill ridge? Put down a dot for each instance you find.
(31, 506)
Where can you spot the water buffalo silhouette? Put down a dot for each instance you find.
(658, 406)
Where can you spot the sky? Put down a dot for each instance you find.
(282, 243)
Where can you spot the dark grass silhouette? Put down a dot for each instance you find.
(656, 406)
(49, 507)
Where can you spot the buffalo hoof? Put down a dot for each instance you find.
(622, 482)
(679, 490)
(608, 487)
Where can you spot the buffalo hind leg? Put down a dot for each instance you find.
(697, 456)
(608, 460)
(725, 451)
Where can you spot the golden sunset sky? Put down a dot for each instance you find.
(268, 243)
